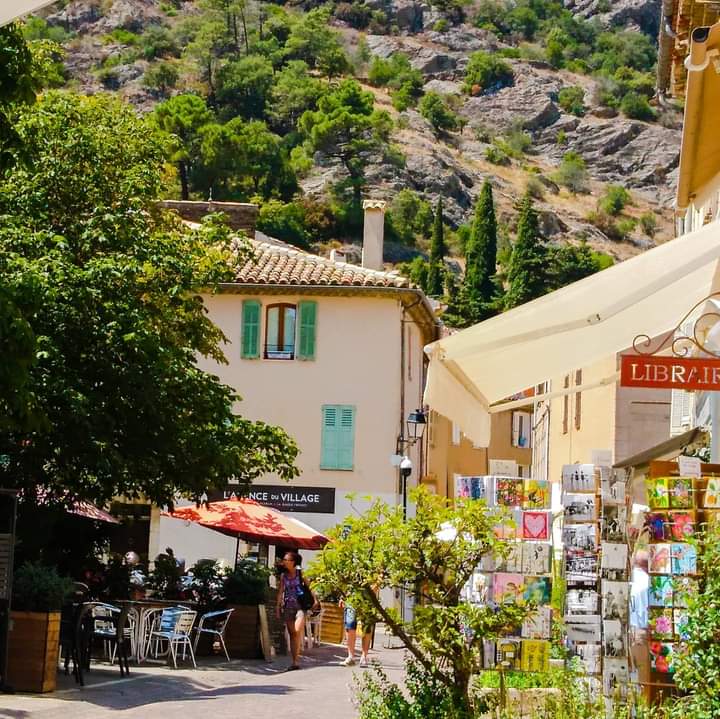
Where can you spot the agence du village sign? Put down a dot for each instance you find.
(678, 370)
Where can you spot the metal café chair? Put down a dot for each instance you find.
(214, 624)
(175, 628)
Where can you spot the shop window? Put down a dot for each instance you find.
(521, 428)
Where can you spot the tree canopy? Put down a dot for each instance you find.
(438, 250)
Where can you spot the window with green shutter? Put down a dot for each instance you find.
(338, 436)
(308, 322)
(250, 329)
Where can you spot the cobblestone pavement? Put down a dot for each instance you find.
(322, 689)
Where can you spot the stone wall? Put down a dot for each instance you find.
(241, 215)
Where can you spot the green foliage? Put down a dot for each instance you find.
(571, 263)
(37, 588)
(354, 14)
(572, 173)
(397, 73)
(162, 76)
(117, 282)
(285, 221)
(637, 107)
(571, 99)
(164, 579)
(311, 39)
(409, 217)
(614, 200)
(434, 109)
(380, 549)
(294, 91)
(535, 187)
(244, 87)
(486, 72)
(649, 224)
(527, 273)
(36, 28)
(496, 154)
(246, 584)
(207, 584)
(157, 41)
(438, 250)
(417, 271)
(122, 37)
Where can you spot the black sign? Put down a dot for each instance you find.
(285, 498)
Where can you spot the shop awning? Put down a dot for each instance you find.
(571, 328)
(669, 449)
(12, 9)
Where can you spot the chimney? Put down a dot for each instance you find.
(240, 215)
(373, 234)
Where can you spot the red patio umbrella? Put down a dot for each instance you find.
(246, 519)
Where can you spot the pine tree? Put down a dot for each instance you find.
(527, 274)
(436, 271)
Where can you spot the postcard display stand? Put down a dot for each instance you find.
(595, 515)
(525, 573)
(677, 509)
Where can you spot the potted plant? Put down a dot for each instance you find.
(34, 632)
(206, 585)
(166, 576)
(244, 589)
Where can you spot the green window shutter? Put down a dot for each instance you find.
(250, 329)
(308, 320)
(338, 437)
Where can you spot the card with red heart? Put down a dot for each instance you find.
(536, 525)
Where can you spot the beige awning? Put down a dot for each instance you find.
(12, 9)
(571, 328)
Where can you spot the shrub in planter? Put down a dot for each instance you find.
(166, 576)
(37, 588)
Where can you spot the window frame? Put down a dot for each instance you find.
(278, 355)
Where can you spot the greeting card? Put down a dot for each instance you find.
(579, 507)
(536, 494)
(712, 493)
(661, 591)
(538, 624)
(536, 558)
(507, 587)
(581, 565)
(682, 525)
(537, 590)
(684, 587)
(535, 655)
(662, 657)
(463, 486)
(612, 488)
(508, 525)
(581, 600)
(489, 653)
(614, 523)
(579, 478)
(614, 638)
(590, 657)
(583, 628)
(477, 488)
(681, 492)
(660, 623)
(658, 492)
(657, 524)
(615, 596)
(684, 559)
(513, 561)
(659, 561)
(508, 653)
(616, 677)
(508, 491)
(536, 525)
(580, 536)
(614, 556)
(680, 623)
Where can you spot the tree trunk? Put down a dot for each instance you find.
(245, 30)
(184, 181)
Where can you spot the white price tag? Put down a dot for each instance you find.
(689, 466)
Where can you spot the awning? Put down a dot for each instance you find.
(90, 511)
(246, 519)
(12, 9)
(669, 449)
(568, 329)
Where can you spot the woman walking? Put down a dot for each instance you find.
(289, 604)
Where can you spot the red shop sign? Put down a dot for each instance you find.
(669, 372)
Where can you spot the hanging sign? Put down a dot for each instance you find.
(286, 498)
(669, 372)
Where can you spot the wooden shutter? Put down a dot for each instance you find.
(250, 329)
(578, 399)
(308, 322)
(338, 437)
(566, 406)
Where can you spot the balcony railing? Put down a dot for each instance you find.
(283, 352)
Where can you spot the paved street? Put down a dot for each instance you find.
(252, 689)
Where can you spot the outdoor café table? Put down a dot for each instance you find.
(143, 607)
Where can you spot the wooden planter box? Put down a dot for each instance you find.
(332, 628)
(242, 635)
(33, 647)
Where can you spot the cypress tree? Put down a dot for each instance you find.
(527, 272)
(436, 271)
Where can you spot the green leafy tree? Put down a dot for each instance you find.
(571, 263)
(438, 250)
(118, 321)
(527, 273)
(294, 91)
(409, 217)
(572, 172)
(444, 637)
(614, 200)
(312, 39)
(572, 100)
(244, 87)
(162, 77)
(434, 109)
(346, 126)
(183, 116)
(486, 72)
(636, 107)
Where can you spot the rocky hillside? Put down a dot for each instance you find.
(438, 40)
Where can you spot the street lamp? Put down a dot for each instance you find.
(416, 423)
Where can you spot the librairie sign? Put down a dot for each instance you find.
(285, 498)
(669, 372)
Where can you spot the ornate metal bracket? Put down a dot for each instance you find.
(683, 343)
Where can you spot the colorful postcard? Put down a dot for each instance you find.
(538, 590)
(580, 536)
(614, 556)
(579, 507)
(683, 588)
(508, 525)
(536, 558)
(661, 591)
(581, 565)
(507, 587)
(536, 494)
(660, 558)
(477, 488)
(538, 624)
(712, 493)
(682, 525)
(513, 561)
(662, 657)
(614, 638)
(614, 523)
(508, 491)
(463, 486)
(535, 655)
(508, 653)
(536, 525)
(660, 623)
(579, 478)
(616, 677)
(658, 492)
(657, 524)
(615, 600)
(681, 493)
(580, 600)
(680, 623)
(684, 558)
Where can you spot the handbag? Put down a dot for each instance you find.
(304, 596)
